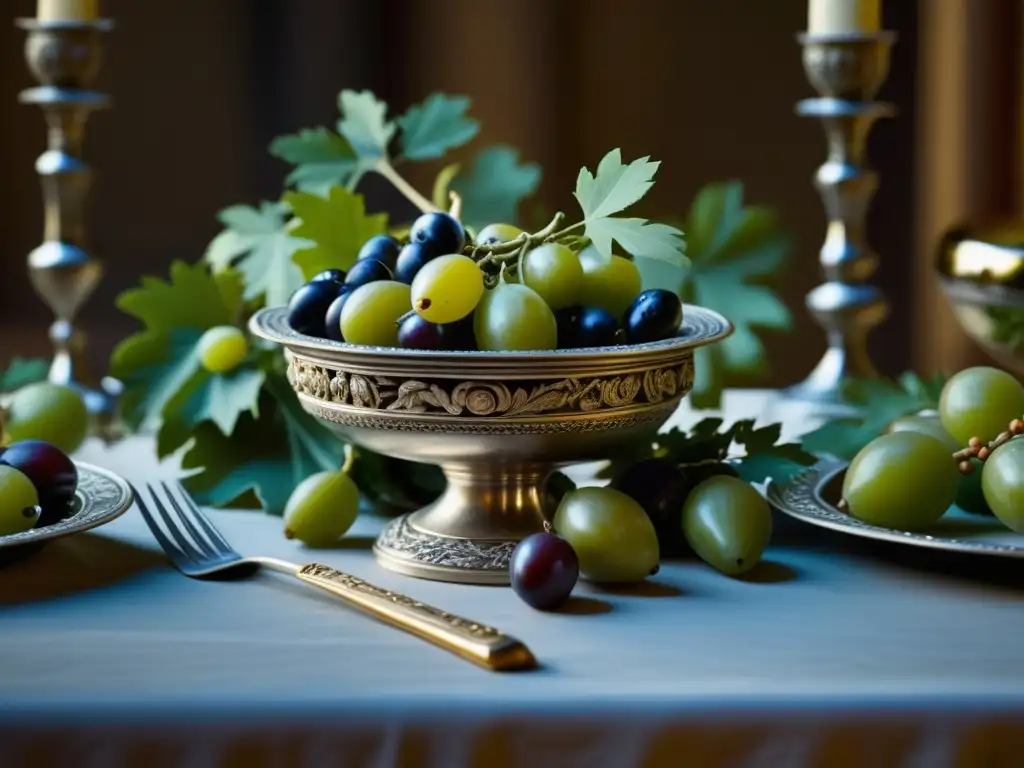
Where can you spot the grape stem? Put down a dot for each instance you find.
(511, 249)
(385, 169)
(976, 449)
(350, 457)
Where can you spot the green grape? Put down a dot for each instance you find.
(497, 233)
(49, 412)
(927, 425)
(554, 271)
(970, 496)
(370, 316)
(447, 289)
(609, 284)
(1002, 482)
(19, 502)
(727, 523)
(514, 317)
(221, 349)
(980, 402)
(904, 480)
(611, 533)
(321, 509)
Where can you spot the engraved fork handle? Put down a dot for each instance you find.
(471, 640)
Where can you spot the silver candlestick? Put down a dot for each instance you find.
(65, 57)
(846, 70)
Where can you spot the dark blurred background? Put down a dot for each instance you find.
(707, 86)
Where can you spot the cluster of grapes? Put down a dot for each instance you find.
(440, 291)
(652, 510)
(909, 477)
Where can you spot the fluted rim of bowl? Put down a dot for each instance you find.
(701, 326)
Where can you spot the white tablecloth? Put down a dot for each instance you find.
(837, 654)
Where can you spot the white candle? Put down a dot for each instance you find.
(68, 10)
(836, 17)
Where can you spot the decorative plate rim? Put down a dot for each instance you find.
(122, 499)
(271, 323)
(801, 499)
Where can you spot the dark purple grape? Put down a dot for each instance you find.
(543, 570)
(567, 323)
(441, 230)
(53, 474)
(654, 315)
(417, 333)
(459, 336)
(382, 248)
(596, 327)
(411, 260)
(367, 271)
(332, 318)
(308, 306)
(335, 275)
(661, 488)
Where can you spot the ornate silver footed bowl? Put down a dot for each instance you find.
(497, 423)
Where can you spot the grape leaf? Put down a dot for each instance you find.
(321, 157)
(156, 363)
(311, 445)
(494, 186)
(438, 124)
(250, 463)
(364, 123)
(259, 246)
(22, 371)
(733, 250)
(611, 190)
(876, 403)
(337, 225)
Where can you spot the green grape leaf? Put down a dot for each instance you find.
(215, 397)
(364, 124)
(438, 124)
(442, 183)
(874, 404)
(764, 457)
(733, 251)
(494, 186)
(22, 371)
(250, 465)
(611, 190)
(311, 446)
(257, 244)
(322, 159)
(158, 362)
(337, 225)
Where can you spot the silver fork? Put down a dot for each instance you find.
(198, 550)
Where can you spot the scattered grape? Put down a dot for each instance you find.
(332, 318)
(654, 315)
(660, 488)
(928, 425)
(514, 317)
(52, 473)
(970, 496)
(329, 275)
(493, 234)
(554, 271)
(904, 480)
(49, 412)
(727, 523)
(321, 509)
(382, 248)
(411, 260)
(222, 348)
(308, 306)
(367, 271)
(612, 536)
(543, 570)
(1002, 482)
(442, 230)
(447, 289)
(980, 402)
(371, 312)
(19, 502)
(609, 284)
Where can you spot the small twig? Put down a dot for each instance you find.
(976, 449)
(384, 168)
(510, 248)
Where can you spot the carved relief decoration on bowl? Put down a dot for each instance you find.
(491, 398)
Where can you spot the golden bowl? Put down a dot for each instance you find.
(497, 423)
(981, 271)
